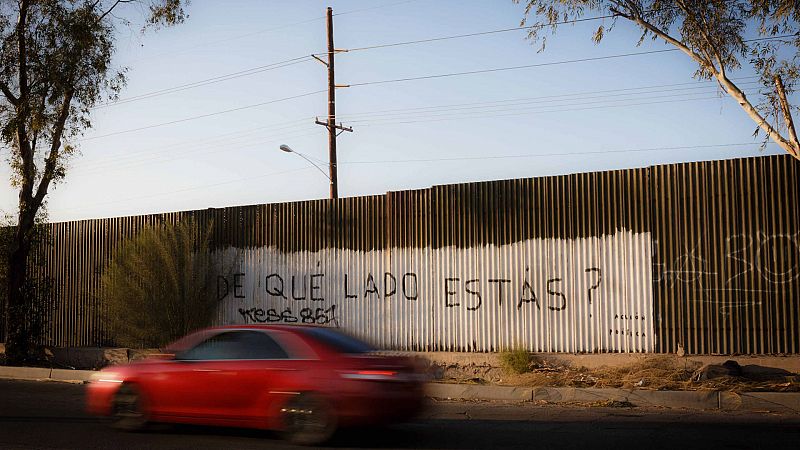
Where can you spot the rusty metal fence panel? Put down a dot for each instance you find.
(699, 256)
(726, 269)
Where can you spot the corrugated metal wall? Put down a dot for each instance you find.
(702, 255)
(727, 263)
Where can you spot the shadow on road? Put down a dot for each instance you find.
(627, 432)
(47, 419)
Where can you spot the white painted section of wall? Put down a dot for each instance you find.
(546, 295)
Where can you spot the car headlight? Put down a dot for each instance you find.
(106, 377)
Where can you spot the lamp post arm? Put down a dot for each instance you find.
(312, 163)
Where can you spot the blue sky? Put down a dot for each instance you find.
(414, 134)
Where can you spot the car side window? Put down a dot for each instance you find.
(220, 346)
(259, 345)
(237, 345)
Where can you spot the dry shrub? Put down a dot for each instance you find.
(658, 372)
(738, 384)
(516, 361)
(652, 372)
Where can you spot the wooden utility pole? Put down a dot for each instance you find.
(330, 124)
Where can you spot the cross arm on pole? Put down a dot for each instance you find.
(335, 127)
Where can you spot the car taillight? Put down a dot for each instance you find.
(371, 375)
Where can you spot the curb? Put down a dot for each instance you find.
(38, 374)
(786, 402)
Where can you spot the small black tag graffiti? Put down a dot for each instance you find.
(318, 316)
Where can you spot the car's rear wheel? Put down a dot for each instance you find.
(308, 420)
(127, 412)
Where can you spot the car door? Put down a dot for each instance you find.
(220, 380)
(268, 369)
(196, 383)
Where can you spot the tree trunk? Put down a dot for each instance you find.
(17, 340)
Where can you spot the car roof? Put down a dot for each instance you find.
(280, 327)
(197, 335)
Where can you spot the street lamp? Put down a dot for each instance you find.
(288, 149)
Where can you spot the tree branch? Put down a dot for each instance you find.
(9, 95)
(787, 114)
(55, 145)
(116, 3)
(706, 37)
(637, 18)
(35, 130)
(754, 114)
(722, 79)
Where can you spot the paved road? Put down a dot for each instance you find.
(48, 415)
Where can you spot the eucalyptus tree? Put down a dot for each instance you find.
(721, 36)
(55, 65)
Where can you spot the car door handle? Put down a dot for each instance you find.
(205, 370)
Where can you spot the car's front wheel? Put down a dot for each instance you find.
(308, 419)
(127, 413)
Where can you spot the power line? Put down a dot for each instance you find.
(269, 30)
(506, 30)
(202, 116)
(242, 73)
(395, 81)
(233, 38)
(489, 32)
(301, 59)
(528, 66)
(480, 33)
(195, 143)
(609, 93)
(245, 142)
(305, 58)
(526, 107)
(379, 122)
(501, 69)
(207, 81)
(542, 155)
(244, 138)
(221, 138)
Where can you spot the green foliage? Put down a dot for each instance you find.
(517, 361)
(720, 36)
(36, 309)
(55, 65)
(160, 285)
(57, 72)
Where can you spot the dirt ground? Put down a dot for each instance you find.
(655, 372)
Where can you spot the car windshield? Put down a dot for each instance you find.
(187, 341)
(339, 341)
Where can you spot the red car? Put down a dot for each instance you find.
(304, 381)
